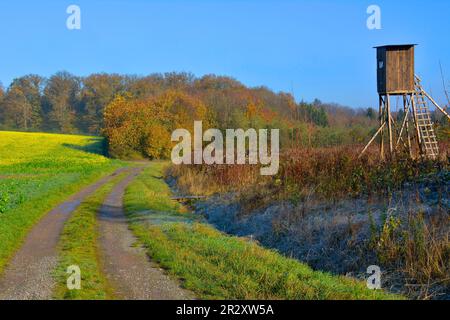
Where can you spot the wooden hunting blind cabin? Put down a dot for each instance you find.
(395, 71)
(414, 133)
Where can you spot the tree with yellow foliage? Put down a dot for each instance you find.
(143, 127)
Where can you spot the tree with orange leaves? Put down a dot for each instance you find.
(142, 127)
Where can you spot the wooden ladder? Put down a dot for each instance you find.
(425, 125)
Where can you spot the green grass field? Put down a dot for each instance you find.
(37, 172)
(217, 266)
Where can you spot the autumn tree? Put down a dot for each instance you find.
(123, 120)
(143, 127)
(145, 87)
(97, 92)
(2, 94)
(22, 103)
(62, 95)
(178, 80)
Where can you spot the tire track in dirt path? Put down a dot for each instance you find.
(28, 276)
(126, 266)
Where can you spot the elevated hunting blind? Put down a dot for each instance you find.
(395, 69)
(414, 132)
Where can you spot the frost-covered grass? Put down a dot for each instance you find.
(217, 266)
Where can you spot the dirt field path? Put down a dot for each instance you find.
(127, 267)
(28, 275)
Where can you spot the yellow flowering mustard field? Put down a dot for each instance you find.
(38, 171)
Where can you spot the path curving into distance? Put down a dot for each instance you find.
(126, 266)
(28, 276)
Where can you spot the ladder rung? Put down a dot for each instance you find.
(424, 122)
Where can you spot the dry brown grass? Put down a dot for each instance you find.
(207, 180)
(330, 173)
(413, 246)
(418, 247)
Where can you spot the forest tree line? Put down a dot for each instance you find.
(65, 103)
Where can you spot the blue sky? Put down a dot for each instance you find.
(313, 48)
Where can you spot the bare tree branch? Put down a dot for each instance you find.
(443, 83)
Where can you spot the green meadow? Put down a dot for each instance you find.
(37, 172)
